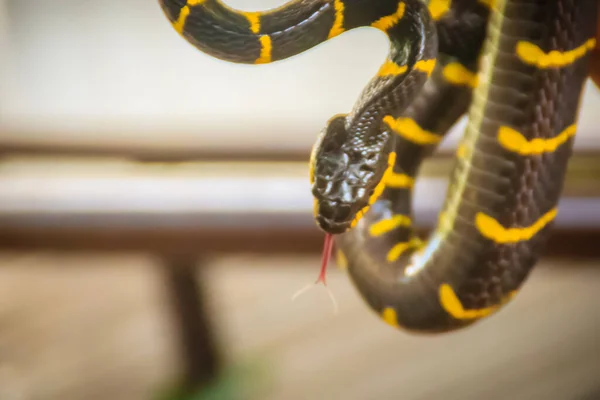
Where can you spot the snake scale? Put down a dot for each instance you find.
(516, 68)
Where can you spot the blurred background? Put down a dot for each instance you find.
(155, 220)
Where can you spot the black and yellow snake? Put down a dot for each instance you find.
(516, 67)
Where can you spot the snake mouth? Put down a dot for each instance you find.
(332, 227)
(333, 216)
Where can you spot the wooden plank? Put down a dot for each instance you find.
(96, 326)
(192, 208)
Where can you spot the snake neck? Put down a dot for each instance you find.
(504, 189)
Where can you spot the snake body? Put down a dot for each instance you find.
(517, 69)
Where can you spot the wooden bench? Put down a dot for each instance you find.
(187, 212)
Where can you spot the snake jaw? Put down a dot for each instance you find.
(333, 217)
(332, 228)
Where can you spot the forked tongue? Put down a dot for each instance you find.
(327, 248)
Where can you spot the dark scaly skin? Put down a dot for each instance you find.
(439, 105)
(351, 158)
(352, 154)
(514, 189)
(436, 108)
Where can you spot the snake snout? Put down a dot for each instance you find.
(333, 217)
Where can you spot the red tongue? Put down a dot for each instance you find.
(327, 247)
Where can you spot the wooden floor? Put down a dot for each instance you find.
(97, 327)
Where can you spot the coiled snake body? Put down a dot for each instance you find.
(516, 67)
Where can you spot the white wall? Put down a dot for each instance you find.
(115, 71)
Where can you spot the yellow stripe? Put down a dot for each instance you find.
(399, 181)
(491, 229)
(338, 25)
(389, 316)
(313, 161)
(386, 225)
(390, 68)
(377, 191)
(512, 140)
(265, 51)
(461, 151)
(180, 23)
(389, 21)
(399, 249)
(254, 19)
(457, 74)
(454, 307)
(341, 260)
(426, 66)
(411, 131)
(445, 221)
(491, 4)
(359, 216)
(184, 13)
(438, 8)
(532, 54)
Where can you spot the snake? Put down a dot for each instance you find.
(515, 69)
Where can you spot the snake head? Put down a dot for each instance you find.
(347, 174)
